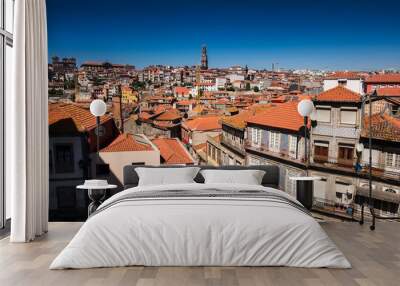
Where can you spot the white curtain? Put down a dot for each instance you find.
(27, 124)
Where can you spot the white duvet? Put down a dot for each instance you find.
(200, 231)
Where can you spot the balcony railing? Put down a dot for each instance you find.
(320, 159)
(265, 150)
(237, 146)
(345, 162)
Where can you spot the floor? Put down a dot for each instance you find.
(375, 257)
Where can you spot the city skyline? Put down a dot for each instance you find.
(305, 35)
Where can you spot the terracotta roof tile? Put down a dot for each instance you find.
(339, 94)
(181, 90)
(206, 123)
(169, 115)
(172, 151)
(126, 143)
(389, 91)
(345, 75)
(384, 127)
(284, 116)
(82, 118)
(384, 78)
(238, 121)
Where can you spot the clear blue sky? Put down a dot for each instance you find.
(352, 34)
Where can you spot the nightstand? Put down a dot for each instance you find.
(96, 192)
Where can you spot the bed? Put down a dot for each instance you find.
(201, 224)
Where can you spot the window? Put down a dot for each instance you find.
(348, 116)
(292, 145)
(321, 151)
(256, 136)
(342, 82)
(274, 141)
(323, 114)
(393, 161)
(64, 158)
(6, 61)
(345, 154)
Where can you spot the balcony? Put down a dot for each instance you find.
(320, 159)
(234, 145)
(263, 149)
(347, 163)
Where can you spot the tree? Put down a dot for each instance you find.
(256, 89)
(247, 86)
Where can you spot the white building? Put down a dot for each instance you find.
(351, 81)
(235, 77)
(220, 82)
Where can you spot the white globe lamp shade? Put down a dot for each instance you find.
(360, 147)
(98, 107)
(313, 115)
(305, 107)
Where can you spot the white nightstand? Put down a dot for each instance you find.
(305, 190)
(96, 194)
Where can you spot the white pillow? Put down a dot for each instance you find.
(166, 176)
(248, 177)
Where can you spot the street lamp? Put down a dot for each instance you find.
(98, 108)
(305, 109)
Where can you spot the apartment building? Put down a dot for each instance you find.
(71, 143)
(229, 147)
(350, 80)
(277, 136)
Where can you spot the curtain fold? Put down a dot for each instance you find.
(27, 153)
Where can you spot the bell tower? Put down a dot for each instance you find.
(204, 58)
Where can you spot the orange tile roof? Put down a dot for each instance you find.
(389, 91)
(339, 94)
(284, 116)
(185, 102)
(384, 127)
(172, 151)
(126, 143)
(207, 123)
(169, 115)
(82, 118)
(384, 78)
(182, 90)
(344, 75)
(238, 121)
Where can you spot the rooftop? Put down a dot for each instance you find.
(126, 143)
(283, 116)
(345, 75)
(82, 118)
(384, 127)
(205, 123)
(338, 94)
(239, 121)
(389, 91)
(384, 78)
(172, 151)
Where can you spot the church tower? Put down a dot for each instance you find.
(204, 58)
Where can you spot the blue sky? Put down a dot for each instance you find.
(331, 35)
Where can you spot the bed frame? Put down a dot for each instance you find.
(270, 179)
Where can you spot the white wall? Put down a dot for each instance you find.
(355, 85)
(118, 160)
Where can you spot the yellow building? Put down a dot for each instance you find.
(128, 95)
